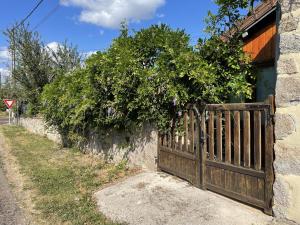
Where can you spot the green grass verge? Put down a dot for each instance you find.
(63, 180)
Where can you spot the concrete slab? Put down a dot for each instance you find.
(151, 198)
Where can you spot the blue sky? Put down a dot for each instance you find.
(92, 24)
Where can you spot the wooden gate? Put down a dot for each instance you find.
(225, 148)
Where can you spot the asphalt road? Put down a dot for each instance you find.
(10, 213)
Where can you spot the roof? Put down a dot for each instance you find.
(259, 12)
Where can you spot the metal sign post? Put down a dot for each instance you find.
(9, 112)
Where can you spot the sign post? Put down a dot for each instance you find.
(9, 104)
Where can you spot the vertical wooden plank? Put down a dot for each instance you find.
(192, 130)
(237, 141)
(257, 140)
(247, 161)
(169, 136)
(242, 184)
(185, 125)
(179, 143)
(211, 134)
(197, 151)
(260, 189)
(203, 150)
(219, 136)
(227, 137)
(269, 178)
(222, 178)
(158, 160)
(173, 135)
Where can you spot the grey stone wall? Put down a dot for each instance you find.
(37, 126)
(139, 148)
(287, 117)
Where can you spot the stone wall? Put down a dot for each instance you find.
(37, 126)
(139, 148)
(287, 117)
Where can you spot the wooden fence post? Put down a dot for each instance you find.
(198, 148)
(269, 178)
(203, 148)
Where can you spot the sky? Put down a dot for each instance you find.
(92, 24)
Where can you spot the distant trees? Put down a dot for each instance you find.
(35, 64)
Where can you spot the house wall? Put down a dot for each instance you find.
(261, 44)
(265, 83)
(287, 117)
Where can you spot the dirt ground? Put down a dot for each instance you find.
(16, 207)
(158, 198)
(10, 213)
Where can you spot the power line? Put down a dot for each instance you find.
(30, 13)
(46, 17)
(13, 30)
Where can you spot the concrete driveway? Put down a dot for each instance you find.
(153, 198)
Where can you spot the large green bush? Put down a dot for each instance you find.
(144, 77)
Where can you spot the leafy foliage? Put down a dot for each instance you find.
(36, 64)
(144, 77)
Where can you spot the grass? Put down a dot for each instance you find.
(64, 180)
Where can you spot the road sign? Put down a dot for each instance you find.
(9, 102)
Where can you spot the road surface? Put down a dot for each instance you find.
(3, 120)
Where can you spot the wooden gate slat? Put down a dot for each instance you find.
(211, 146)
(247, 158)
(242, 175)
(219, 135)
(203, 153)
(185, 124)
(197, 151)
(237, 141)
(257, 140)
(227, 137)
(192, 130)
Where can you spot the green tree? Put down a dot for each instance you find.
(35, 64)
(142, 77)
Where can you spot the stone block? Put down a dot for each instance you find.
(287, 159)
(281, 197)
(287, 197)
(286, 66)
(288, 23)
(289, 5)
(287, 91)
(289, 43)
(284, 125)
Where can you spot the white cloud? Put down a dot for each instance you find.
(110, 13)
(160, 15)
(53, 46)
(87, 54)
(4, 54)
(4, 72)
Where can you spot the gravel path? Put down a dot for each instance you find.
(10, 213)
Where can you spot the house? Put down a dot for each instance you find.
(259, 37)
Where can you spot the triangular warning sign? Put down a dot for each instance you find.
(9, 103)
